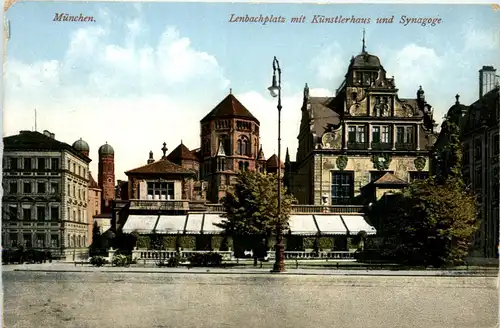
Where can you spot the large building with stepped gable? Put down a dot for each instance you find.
(362, 142)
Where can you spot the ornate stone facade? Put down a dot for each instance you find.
(351, 139)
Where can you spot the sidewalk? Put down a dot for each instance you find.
(70, 267)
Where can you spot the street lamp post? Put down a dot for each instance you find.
(275, 90)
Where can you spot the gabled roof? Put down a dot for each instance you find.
(34, 140)
(322, 114)
(162, 166)
(92, 183)
(230, 107)
(272, 162)
(389, 179)
(181, 152)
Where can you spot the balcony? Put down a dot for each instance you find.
(159, 205)
(381, 146)
(335, 209)
(357, 145)
(405, 146)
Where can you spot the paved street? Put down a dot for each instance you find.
(123, 299)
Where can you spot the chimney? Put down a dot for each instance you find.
(487, 80)
(151, 159)
(53, 135)
(47, 133)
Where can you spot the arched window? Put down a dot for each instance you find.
(226, 142)
(244, 146)
(240, 166)
(240, 147)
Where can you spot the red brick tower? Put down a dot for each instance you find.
(106, 176)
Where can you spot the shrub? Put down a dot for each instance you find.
(206, 260)
(174, 261)
(325, 243)
(170, 242)
(98, 261)
(143, 242)
(217, 242)
(309, 242)
(187, 242)
(121, 260)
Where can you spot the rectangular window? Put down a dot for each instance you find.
(466, 154)
(376, 134)
(54, 188)
(40, 213)
(161, 190)
(360, 136)
(79, 170)
(342, 187)
(41, 164)
(477, 149)
(496, 145)
(54, 241)
(478, 178)
(27, 240)
(54, 213)
(400, 135)
(13, 164)
(41, 188)
(54, 163)
(27, 187)
(27, 164)
(418, 176)
(408, 134)
(13, 239)
(13, 212)
(27, 214)
(40, 240)
(385, 134)
(69, 165)
(13, 187)
(351, 134)
(74, 168)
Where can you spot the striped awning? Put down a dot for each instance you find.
(303, 225)
(357, 223)
(143, 224)
(194, 223)
(171, 224)
(208, 224)
(330, 224)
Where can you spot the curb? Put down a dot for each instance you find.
(470, 274)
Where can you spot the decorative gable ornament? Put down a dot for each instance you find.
(342, 162)
(419, 163)
(381, 162)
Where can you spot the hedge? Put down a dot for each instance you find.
(217, 242)
(227, 243)
(170, 242)
(325, 243)
(309, 242)
(187, 242)
(143, 242)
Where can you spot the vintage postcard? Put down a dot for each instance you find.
(216, 164)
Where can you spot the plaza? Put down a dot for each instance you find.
(96, 298)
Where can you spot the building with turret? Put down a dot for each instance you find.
(362, 142)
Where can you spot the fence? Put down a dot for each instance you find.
(159, 255)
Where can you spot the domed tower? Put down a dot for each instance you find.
(228, 129)
(106, 176)
(82, 146)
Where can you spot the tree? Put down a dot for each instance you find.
(433, 223)
(449, 155)
(252, 209)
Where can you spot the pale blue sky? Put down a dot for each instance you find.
(81, 73)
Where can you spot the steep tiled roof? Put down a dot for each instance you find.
(272, 162)
(92, 183)
(230, 107)
(322, 114)
(389, 179)
(33, 140)
(163, 166)
(181, 153)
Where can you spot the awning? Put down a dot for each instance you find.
(357, 223)
(171, 224)
(140, 223)
(208, 224)
(194, 222)
(330, 224)
(303, 225)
